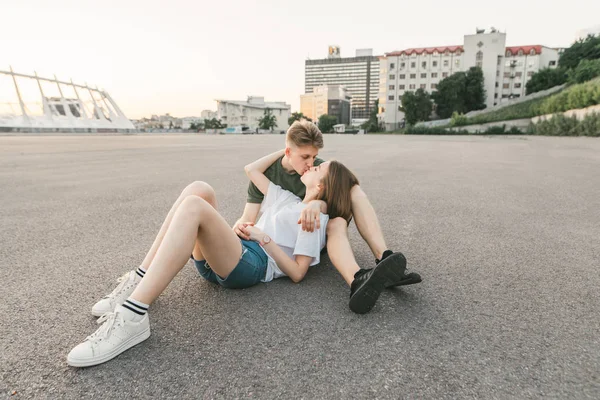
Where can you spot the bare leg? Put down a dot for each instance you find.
(198, 188)
(339, 250)
(367, 222)
(194, 220)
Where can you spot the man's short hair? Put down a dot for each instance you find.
(304, 133)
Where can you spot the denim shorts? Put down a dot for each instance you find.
(250, 270)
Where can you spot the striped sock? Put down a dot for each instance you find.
(134, 309)
(140, 271)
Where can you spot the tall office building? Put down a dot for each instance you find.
(359, 75)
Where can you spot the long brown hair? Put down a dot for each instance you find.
(337, 185)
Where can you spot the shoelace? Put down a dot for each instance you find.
(108, 321)
(123, 281)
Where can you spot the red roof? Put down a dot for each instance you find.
(514, 50)
(428, 50)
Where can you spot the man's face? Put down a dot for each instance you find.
(301, 158)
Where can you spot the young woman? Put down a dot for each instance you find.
(277, 247)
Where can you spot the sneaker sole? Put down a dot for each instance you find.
(90, 362)
(411, 279)
(367, 295)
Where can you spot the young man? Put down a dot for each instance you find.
(303, 141)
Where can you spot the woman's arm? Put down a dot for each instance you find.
(295, 268)
(256, 170)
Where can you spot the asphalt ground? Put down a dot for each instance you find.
(504, 230)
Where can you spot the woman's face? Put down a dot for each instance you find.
(314, 176)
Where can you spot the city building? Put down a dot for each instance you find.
(359, 75)
(506, 70)
(246, 114)
(327, 99)
(208, 114)
(186, 122)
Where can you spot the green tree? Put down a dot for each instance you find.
(372, 125)
(450, 95)
(326, 123)
(545, 79)
(417, 106)
(268, 120)
(213, 124)
(297, 116)
(582, 49)
(585, 71)
(474, 89)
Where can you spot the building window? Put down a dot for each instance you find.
(413, 76)
(401, 87)
(506, 86)
(446, 63)
(434, 86)
(392, 65)
(497, 84)
(423, 86)
(530, 73)
(520, 52)
(518, 74)
(552, 63)
(424, 64)
(499, 60)
(392, 87)
(444, 74)
(400, 98)
(495, 95)
(435, 63)
(478, 59)
(402, 76)
(392, 77)
(508, 53)
(434, 74)
(402, 65)
(391, 98)
(423, 76)
(413, 64)
(517, 85)
(532, 52)
(507, 74)
(497, 73)
(411, 86)
(457, 63)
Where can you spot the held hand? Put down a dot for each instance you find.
(238, 226)
(253, 233)
(310, 218)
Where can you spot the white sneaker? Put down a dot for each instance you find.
(116, 335)
(127, 284)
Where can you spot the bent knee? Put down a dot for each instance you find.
(336, 226)
(193, 204)
(200, 189)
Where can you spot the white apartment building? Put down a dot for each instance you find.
(246, 114)
(327, 99)
(521, 62)
(208, 114)
(505, 70)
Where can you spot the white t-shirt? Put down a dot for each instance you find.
(281, 210)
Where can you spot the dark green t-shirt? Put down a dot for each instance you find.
(279, 176)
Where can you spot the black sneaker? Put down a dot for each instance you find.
(368, 285)
(399, 275)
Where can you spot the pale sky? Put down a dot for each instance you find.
(176, 56)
